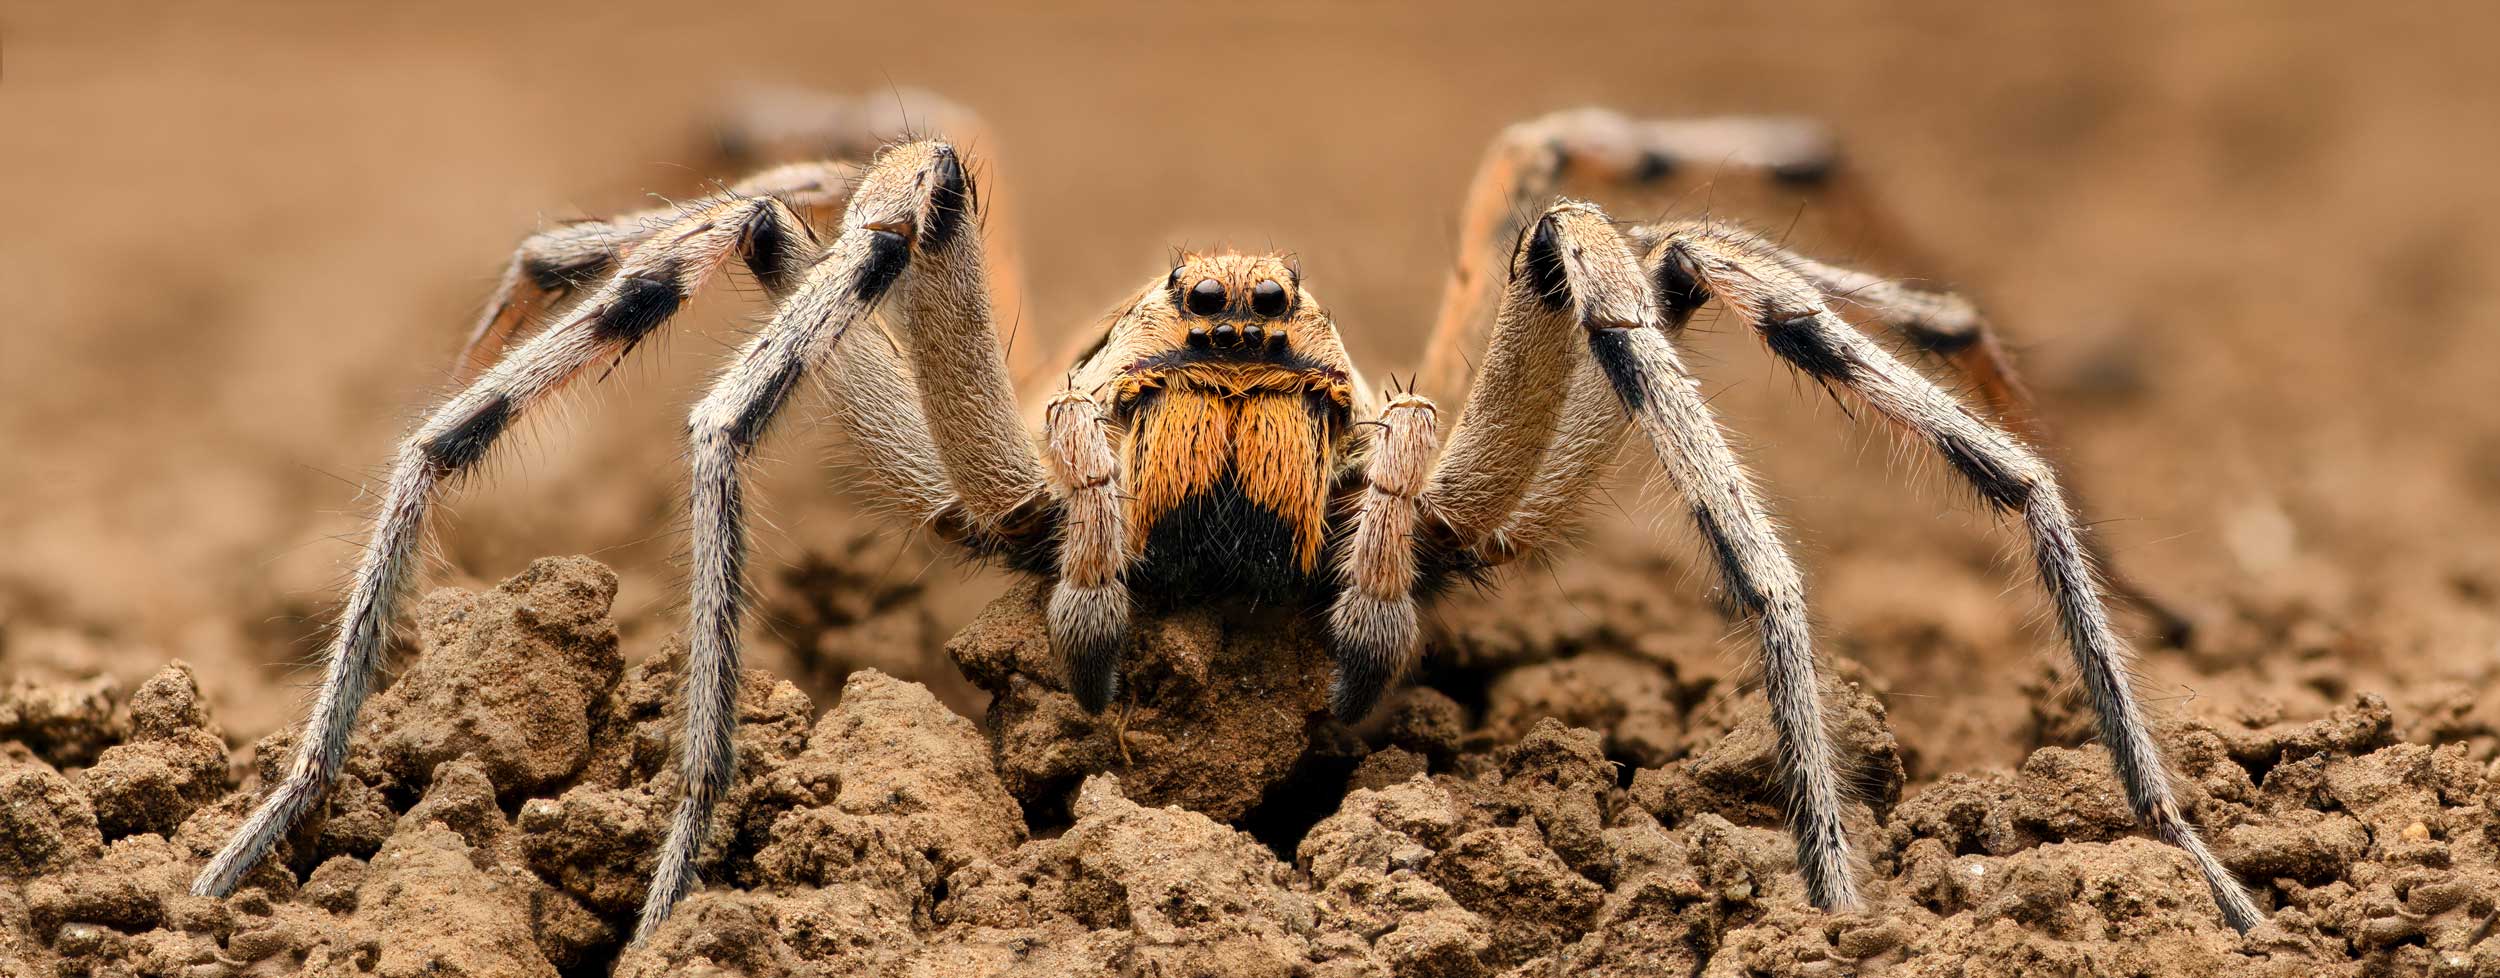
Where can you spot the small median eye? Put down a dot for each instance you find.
(1268, 299)
(1207, 297)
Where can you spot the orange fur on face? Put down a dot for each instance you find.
(1258, 424)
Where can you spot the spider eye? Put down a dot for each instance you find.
(1268, 299)
(1207, 297)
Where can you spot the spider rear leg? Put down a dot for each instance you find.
(647, 288)
(1762, 285)
(1373, 623)
(1089, 602)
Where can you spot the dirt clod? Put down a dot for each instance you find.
(892, 836)
(174, 761)
(62, 724)
(1213, 712)
(512, 679)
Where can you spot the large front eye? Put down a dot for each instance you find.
(1268, 299)
(1207, 297)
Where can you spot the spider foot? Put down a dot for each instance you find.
(1088, 625)
(1374, 640)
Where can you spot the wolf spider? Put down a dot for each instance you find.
(1214, 442)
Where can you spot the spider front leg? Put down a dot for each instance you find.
(547, 268)
(760, 125)
(1765, 287)
(1530, 162)
(646, 289)
(1527, 165)
(907, 241)
(1579, 304)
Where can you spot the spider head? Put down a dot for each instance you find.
(1240, 304)
(1230, 322)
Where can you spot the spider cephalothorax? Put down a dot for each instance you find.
(1214, 442)
(1234, 399)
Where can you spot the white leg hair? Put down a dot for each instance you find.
(1759, 580)
(1587, 440)
(1527, 164)
(1373, 623)
(647, 288)
(1950, 328)
(1762, 286)
(915, 204)
(1590, 291)
(893, 460)
(957, 360)
(723, 432)
(911, 213)
(760, 125)
(1530, 162)
(547, 267)
(544, 271)
(1585, 445)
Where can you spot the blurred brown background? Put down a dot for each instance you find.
(2245, 254)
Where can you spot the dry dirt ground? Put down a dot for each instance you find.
(2247, 261)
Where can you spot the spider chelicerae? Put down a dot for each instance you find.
(1214, 441)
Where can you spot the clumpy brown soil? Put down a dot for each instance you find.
(504, 798)
(2245, 258)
